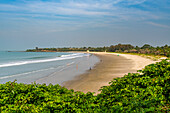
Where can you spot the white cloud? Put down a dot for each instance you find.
(134, 2)
(158, 25)
(80, 8)
(8, 7)
(77, 12)
(91, 9)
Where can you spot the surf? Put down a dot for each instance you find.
(62, 57)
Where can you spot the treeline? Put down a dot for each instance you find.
(65, 49)
(144, 92)
(125, 48)
(145, 49)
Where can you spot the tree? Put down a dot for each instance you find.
(146, 46)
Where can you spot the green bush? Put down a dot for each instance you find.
(147, 91)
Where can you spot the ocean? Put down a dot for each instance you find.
(29, 67)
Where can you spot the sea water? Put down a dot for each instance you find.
(27, 67)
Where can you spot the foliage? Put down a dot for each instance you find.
(125, 48)
(145, 49)
(120, 47)
(147, 91)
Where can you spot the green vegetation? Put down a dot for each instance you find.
(121, 48)
(145, 49)
(147, 91)
(65, 49)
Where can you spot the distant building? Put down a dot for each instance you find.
(88, 51)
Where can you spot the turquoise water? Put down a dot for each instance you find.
(28, 67)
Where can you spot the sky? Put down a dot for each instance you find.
(26, 24)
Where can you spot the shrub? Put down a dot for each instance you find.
(144, 92)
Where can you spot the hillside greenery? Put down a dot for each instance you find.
(121, 48)
(146, 91)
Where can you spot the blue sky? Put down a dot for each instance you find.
(77, 23)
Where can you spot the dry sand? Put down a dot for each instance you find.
(111, 65)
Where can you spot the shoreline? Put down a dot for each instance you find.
(70, 70)
(111, 65)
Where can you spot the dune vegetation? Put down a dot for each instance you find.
(146, 91)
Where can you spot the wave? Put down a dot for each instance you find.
(62, 57)
(25, 73)
(38, 57)
(16, 75)
(74, 54)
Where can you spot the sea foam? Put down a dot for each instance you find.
(62, 57)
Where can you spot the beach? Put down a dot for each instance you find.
(80, 71)
(111, 65)
(77, 67)
(43, 67)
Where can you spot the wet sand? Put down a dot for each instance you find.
(109, 67)
(69, 71)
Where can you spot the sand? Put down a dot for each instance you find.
(69, 71)
(111, 65)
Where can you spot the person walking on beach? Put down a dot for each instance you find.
(77, 66)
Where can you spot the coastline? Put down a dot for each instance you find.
(47, 67)
(111, 65)
(69, 70)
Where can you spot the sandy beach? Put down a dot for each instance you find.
(111, 65)
(69, 70)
